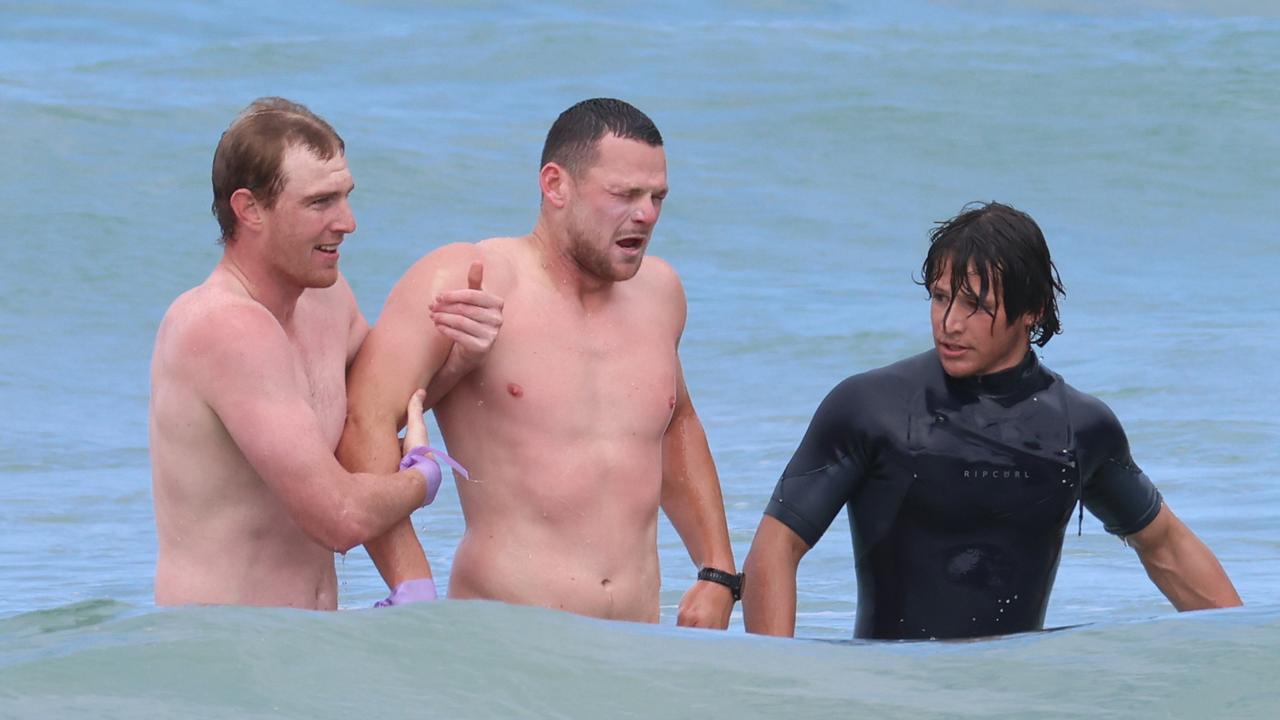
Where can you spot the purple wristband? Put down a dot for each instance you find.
(410, 591)
(424, 459)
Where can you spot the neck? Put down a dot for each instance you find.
(278, 297)
(566, 275)
(1005, 380)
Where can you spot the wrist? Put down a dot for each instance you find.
(731, 581)
(410, 591)
(420, 459)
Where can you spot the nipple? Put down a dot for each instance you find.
(515, 390)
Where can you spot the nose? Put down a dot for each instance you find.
(345, 222)
(646, 211)
(952, 321)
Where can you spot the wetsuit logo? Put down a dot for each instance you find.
(1014, 474)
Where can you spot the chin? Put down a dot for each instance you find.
(626, 274)
(956, 368)
(323, 280)
(627, 270)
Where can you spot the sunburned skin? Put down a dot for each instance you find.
(577, 426)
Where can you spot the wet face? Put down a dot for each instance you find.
(310, 218)
(614, 206)
(970, 333)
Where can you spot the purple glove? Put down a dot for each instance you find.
(410, 591)
(423, 459)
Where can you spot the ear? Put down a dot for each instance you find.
(555, 183)
(247, 208)
(1030, 321)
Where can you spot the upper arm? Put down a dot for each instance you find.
(668, 295)
(824, 470)
(404, 350)
(243, 366)
(778, 539)
(1116, 490)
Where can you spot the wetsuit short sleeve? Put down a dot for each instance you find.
(1115, 488)
(825, 469)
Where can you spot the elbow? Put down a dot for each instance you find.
(347, 529)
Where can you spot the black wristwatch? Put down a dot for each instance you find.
(729, 580)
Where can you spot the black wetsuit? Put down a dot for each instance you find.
(959, 491)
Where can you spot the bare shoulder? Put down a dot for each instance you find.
(446, 268)
(208, 327)
(660, 277)
(661, 286)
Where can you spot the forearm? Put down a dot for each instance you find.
(446, 378)
(394, 548)
(379, 502)
(769, 590)
(691, 495)
(769, 600)
(1189, 575)
(398, 555)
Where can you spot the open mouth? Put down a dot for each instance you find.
(328, 249)
(631, 243)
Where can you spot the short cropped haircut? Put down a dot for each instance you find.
(573, 139)
(251, 153)
(999, 242)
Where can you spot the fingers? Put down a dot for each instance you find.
(468, 341)
(482, 315)
(701, 607)
(478, 328)
(478, 298)
(475, 275)
(415, 428)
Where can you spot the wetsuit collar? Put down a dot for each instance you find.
(1003, 382)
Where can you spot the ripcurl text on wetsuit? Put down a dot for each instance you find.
(959, 491)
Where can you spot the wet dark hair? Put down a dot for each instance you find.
(998, 242)
(573, 138)
(251, 153)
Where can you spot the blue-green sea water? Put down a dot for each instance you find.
(811, 146)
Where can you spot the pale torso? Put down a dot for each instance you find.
(223, 536)
(561, 429)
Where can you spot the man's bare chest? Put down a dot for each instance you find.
(320, 360)
(615, 371)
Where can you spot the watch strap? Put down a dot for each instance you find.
(730, 580)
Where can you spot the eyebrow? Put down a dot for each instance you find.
(328, 194)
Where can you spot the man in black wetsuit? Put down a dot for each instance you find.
(961, 466)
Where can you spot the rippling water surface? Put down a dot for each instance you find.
(810, 149)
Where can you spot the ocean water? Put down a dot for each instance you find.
(811, 147)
